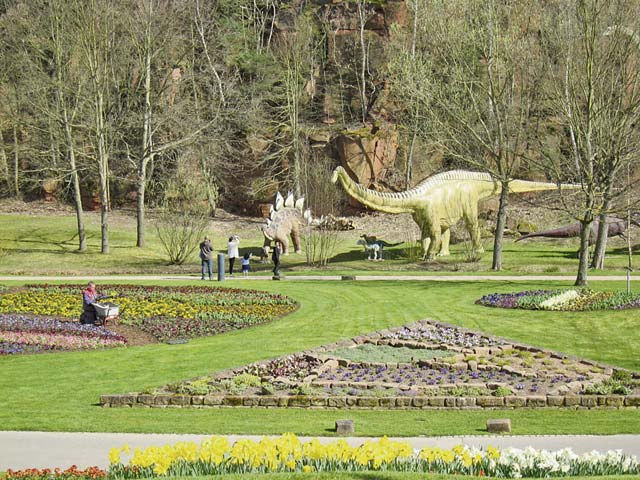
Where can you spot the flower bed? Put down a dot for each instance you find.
(21, 334)
(164, 312)
(494, 374)
(563, 300)
(71, 473)
(286, 453)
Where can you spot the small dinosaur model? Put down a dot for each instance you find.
(439, 202)
(615, 227)
(286, 220)
(373, 249)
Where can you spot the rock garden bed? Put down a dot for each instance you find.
(424, 365)
(39, 318)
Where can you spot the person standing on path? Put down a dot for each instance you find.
(275, 256)
(232, 252)
(206, 258)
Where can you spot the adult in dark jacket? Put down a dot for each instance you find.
(89, 297)
(275, 256)
(206, 258)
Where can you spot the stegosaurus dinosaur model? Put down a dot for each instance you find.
(439, 202)
(286, 220)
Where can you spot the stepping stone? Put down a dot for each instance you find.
(499, 425)
(345, 427)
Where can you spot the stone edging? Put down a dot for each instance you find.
(349, 402)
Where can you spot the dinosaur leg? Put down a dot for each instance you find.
(285, 245)
(446, 237)
(471, 221)
(435, 243)
(426, 241)
(295, 239)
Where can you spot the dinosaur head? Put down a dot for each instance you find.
(336, 173)
(268, 231)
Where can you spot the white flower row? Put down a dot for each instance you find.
(557, 301)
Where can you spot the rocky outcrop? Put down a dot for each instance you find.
(367, 153)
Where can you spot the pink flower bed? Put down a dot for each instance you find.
(59, 342)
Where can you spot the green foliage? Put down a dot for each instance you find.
(502, 392)
(464, 391)
(608, 387)
(304, 390)
(194, 387)
(247, 380)
(370, 353)
(623, 376)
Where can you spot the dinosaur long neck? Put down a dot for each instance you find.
(381, 201)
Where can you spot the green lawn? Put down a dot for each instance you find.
(60, 392)
(47, 245)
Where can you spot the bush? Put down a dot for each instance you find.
(180, 233)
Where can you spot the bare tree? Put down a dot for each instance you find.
(597, 101)
(153, 32)
(65, 87)
(410, 81)
(487, 100)
(95, 22)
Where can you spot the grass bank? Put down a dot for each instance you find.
(36, 245)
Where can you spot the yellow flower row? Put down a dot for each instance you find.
(131, 308)
(284, 453)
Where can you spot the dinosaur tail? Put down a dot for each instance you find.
(519, 186)
(387, 244)
(562, 232)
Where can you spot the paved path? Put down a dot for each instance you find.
(20, 450)
(436, 278)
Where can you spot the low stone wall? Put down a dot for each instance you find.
(348, 402)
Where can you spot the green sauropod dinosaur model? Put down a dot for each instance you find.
(439, 202)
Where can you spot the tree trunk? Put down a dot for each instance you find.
(603, 231)
(16, 162)
(77, 197)
(147, 142)
(583, 254)
(363, 60)
(103, 166)
(600, 248)
(141, 190)
(409, 167)
(4, 164)
(501, 222)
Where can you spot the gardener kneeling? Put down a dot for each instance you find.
(89, 296)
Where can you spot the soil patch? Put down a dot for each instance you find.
(134, 335)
